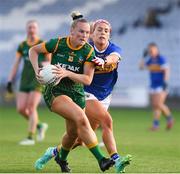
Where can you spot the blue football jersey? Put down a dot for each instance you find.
(104, 78)
(156, 66)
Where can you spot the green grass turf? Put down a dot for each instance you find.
(153, 152)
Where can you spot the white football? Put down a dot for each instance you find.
(48, 76)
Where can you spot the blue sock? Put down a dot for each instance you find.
(55, 151)
(169, 118)
(156, 123)
(115, 156)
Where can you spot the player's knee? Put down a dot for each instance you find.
(155, 105)
(107, 122)
(159, 105)
(82, 120)
(31, 108)
(21, 110)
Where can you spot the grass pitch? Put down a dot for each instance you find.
(153, 152)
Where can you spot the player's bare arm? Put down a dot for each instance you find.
(33, 56)
(15, 67)
(85, 78)
(112, 59)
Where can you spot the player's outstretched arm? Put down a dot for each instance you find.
(112, 59)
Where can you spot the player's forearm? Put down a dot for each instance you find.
(80, 78)
(12, 74)
(13, 71)
(112, 59)
(33, 56)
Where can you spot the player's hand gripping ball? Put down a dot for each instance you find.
(47, 76)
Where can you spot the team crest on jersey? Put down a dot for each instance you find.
(71, 57)
(80, 60)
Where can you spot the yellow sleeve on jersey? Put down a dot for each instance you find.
(51, 45)
(89, 63)
(19, 49)
(44, 47)
(91, 53)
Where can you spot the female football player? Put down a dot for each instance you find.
(98, 93)
(73, 57)
(29, 94)
(159, 77)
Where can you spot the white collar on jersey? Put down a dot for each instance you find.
(102, 50)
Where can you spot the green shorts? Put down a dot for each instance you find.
(51, 93)
(32, 86)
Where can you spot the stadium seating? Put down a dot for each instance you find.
(54, 20)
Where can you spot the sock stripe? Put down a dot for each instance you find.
(115, 156)
(112, 153)
(58, 147)
(89, 146)
(61, 146)
(30, 135)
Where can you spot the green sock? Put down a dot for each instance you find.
(63, 153)
(30, 135)
(39, 125)
(96, 151)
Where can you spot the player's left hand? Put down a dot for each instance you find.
(9, 87)
(60, 72)
(99, 61)
(39, 77)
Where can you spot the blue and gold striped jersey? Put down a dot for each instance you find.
(104, 78)
(156, 68)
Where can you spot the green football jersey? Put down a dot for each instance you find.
(28, 79)
(69, 58)
(73, 60)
